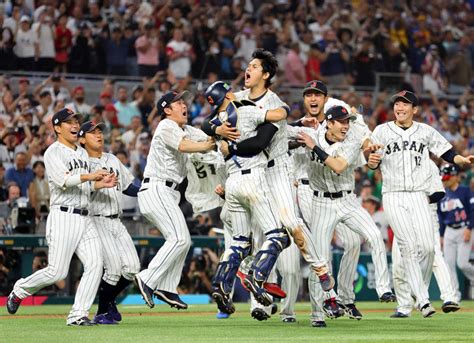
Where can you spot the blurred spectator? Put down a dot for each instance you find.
(365, 63)
(117, 51)
(3, 184)
(180, 55)
(7, 43)
(26, 48)
(44, 28)
(78, 103)
(110, 117)
(434, 72)
(45, 107)
(460, 67)
(57, 87)
(21, 174)
(226, 51)
(147, 51)
(82, 56)
(63, 43)
(294, 68)
(135, 128)
(125, 110)
(6, 207)
(10, 147)
(333, 59)
(38, 191)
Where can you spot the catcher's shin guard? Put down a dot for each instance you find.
(230, 262)
(277, 240)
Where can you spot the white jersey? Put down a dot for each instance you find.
(61, 163)
(405, 157)
(321, 177)
(108, 201)
(205, 172)
(164, 161)
(436, 184)
(270, 101)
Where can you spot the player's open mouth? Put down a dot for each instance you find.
(247, 76)
(185, 113)
(74, 133)
(313, 106)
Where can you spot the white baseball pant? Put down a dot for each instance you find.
(160, 205)
(66, 234)
(409, 216)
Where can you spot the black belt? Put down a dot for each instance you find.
(335, 195)
(246, 171)
(304, 182)
(80, 211)
(169, 184)
(112, 216)
(271, 164)
(457, 225)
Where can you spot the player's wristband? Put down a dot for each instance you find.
(232, 149)
(323, 155)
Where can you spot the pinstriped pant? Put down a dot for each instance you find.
(66, 234)
(409, 216)
(328, 213)
(118, 250)
(159, 204)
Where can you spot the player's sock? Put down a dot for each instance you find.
(105, 293)
(119, 287)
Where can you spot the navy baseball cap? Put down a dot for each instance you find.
(406, 96)
(89, 126)
(316, 86)
(339, 113)
(64, 115)
(170, 97)
(448, 170)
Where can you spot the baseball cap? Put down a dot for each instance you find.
(89, 126)
(170, 97)
(105, 95)
(406, 96)
(63, 115)
(24, 18)
(448, 170)
(317, 86)
(339, 113)
(110, 107)
(78, 89)
(23, 80)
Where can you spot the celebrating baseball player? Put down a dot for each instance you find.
(401, 149)
(456, 216)
(68, 227)
(440, 267)
(158, 198)
(121, 261)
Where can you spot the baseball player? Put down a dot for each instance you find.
(258, 75)
(68, 227)
(404, 161)
(158, 198)
(440, 267)
(121, 261)
(456, 216)
(246, 196)
(331, 178)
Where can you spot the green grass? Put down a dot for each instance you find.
(198, 324)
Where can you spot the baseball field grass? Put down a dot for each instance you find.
(199, 324)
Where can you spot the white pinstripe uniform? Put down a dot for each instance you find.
(440, 267)
(67, 232)
(278, 175)
(345, 209)
(158, 200)
(119, 252)
(406, 179)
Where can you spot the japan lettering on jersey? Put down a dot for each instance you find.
(269, 101)
(62, 162)
(108, 201)
(405, 155)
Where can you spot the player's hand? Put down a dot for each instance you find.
(224, 146)
(211, 143)
(98, 175)
(227, 131)
(373, 148)
(374, 160)
(466, 235)
(108, 181)
(220, 191)
(306, 140)
(310, 122)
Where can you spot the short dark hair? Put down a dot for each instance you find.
(269, 63)
(38, 163)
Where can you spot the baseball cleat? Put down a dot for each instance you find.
(327, 281)
(258, 291)
(332, 309)
(104, 319)
(171, 299)
(388, 297)
(84, 321)
(13, 303)
(318, 324)
(260, 314)
(272, 288)
(427, 310)
(351, 311)
(147, 292)
(289, 320)
(399, 315)
(114, 312)
(222, 315)
(224, 303)
(450, 306)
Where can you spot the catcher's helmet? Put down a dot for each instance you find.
(448, 170)
(215, 93)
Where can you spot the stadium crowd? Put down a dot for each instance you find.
(178, 45)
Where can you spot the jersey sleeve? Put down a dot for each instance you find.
(56, 168)
(172, 134)
(437, 144)
(350, 151)
(436, 184)
(126, 177)
(195, 134)
(376, 137)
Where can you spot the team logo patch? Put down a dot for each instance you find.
(344, 110)
(313, 84)
(163, 104)
(402, 93)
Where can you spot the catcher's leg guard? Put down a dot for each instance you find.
(230, 261)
